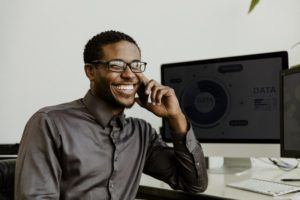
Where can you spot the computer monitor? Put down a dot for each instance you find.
(290, 100)
(232, 102)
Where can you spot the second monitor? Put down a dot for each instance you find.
(229, 100)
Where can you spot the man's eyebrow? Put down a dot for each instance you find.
(136, 60)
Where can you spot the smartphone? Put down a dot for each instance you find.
(141, 93)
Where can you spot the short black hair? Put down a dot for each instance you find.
(93, 49)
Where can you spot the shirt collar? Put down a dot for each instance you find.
(100, 110)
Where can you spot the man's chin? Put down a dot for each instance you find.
(129, 105)
(126, 104)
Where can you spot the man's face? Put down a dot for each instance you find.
(117, 88)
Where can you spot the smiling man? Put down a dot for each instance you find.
(88, 149)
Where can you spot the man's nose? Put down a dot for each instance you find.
(128, 73)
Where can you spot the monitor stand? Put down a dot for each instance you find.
(232, 166)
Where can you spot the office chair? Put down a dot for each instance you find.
(7, 179)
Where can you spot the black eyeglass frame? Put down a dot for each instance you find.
(125, 64)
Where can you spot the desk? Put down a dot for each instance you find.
(217, 183)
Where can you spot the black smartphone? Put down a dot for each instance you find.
(141, 93)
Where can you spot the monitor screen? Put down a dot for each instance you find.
(290, 134)
(229, 100)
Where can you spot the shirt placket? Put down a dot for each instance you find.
(114, 135)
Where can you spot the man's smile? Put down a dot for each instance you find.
(127, 89)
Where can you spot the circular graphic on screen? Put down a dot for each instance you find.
(205, 102)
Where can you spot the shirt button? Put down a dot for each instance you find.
(116, 159)
(197, 163)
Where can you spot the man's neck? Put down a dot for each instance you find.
(116, 110)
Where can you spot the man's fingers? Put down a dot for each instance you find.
(160, 93)
(154, 92)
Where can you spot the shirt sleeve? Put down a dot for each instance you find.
(182, 167)
(38, 170)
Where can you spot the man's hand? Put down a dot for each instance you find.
(164, 103)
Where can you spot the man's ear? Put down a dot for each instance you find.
(89, 71)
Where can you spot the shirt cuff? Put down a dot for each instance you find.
(184, 141)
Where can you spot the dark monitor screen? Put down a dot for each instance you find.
(231, 99)
(290, 134)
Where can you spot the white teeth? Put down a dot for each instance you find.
(125, 87)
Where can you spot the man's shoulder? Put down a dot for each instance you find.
(63, 107)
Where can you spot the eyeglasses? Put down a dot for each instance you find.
(120, 65)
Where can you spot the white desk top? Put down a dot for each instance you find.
(217, 183)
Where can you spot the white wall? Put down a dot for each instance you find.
(41, 43)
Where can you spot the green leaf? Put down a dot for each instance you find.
(296, 44)
(252, 5)
(296, 66)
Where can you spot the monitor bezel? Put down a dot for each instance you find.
(283, 151)
(282, 54)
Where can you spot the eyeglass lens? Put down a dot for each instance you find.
(119, 65)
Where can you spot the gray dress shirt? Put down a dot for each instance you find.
(80, 150)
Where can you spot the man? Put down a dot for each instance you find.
(87, 149)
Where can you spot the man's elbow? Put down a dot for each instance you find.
(201, 186)
(197, 189)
